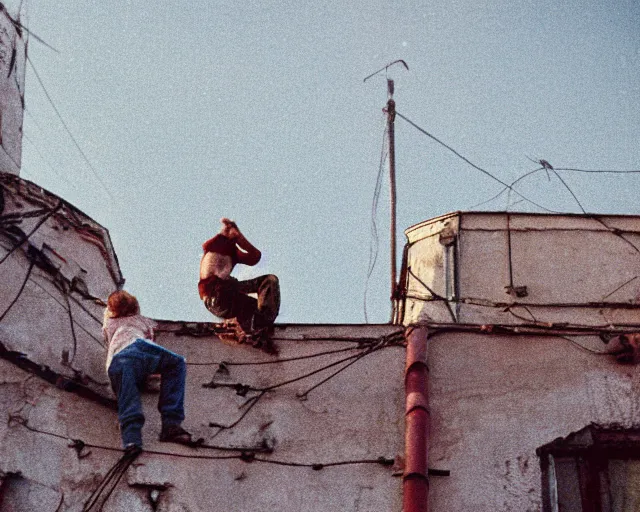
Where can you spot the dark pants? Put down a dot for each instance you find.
(128, 371)
(230, 299)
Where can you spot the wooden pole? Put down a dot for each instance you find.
(391, 116)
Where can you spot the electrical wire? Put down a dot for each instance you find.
(393, 338)
(71, 322)
(569, 189)
(100, 342)
(509, 252)
(17, 218)
(326, 367)
(242, 389)
(80, 445)
(90, 334)
(60, 503)
(597, 171)
(434, 294)
(424, 132)
(19, 25)
(487, 303)
(373, 246)
(22, 287)
(68, 130)
(504, 189)
(108, 484)
(252, 401)
(597, 352)
(530, 313)
(353, 339)
(549, 325)
(81, 306)
(520, 317)
(78, 373)
(305, 393)
(37, 226)
(318, 466)
(24, 238)
(42, 157)
(13, 161)
(555, 169)
(510, 330)
(620, 287)
(246, 455)
(276, 361)
(615, 231)
(71, 383)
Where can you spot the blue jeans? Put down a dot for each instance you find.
(128, 371)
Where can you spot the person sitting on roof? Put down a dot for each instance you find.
(132, 356)
(228, 298)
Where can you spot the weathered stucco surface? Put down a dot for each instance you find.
(317, 427)
(516, 357)
(576, 269)
(56, 266)
(357, 415)
(13, 52)
(331, 448)
(495, 399)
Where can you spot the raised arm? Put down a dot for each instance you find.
(246, 252)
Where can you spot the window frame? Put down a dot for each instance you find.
(592, 448)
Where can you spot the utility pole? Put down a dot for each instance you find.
(390, 110)
(391, 118)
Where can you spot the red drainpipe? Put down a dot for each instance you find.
(415, 485)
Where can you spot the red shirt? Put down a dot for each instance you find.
(222, 245)
(242, 252)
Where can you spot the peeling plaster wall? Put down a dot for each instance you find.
(13, 48)
(55, 265)
(577, 269)
(357, 415)
(52, 282)
(425, 275)
(495, 399)
(44, 465)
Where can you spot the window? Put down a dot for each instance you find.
(596, 469)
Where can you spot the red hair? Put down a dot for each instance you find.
(122, 303)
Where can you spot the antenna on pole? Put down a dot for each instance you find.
(391, 119)
(390, 111)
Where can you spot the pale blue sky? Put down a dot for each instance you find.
(190, 111)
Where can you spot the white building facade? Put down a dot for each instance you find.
(528, 408)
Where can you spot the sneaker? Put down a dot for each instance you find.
(270, 347)
(261, 339)
(175, 434)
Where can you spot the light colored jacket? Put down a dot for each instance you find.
(122, 331)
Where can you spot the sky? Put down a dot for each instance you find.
(257, 111)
